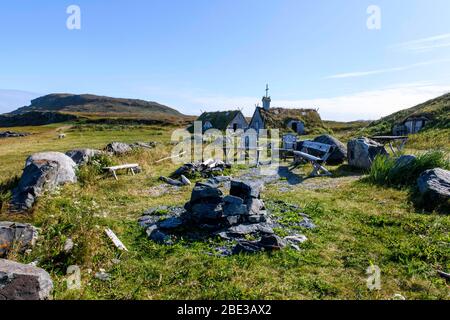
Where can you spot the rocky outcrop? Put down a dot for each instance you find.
(19, 236)
(43, 171)
(434, 185)
(362, 151)
(82, 156)
(23, 282)
(233, 217)
(11, 134)
(339, 154)
(34, 118)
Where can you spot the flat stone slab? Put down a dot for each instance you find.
(23, 282)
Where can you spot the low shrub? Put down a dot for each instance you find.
(88, 173)
(5, 192)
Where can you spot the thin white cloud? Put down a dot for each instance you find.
(366, 105)
(13, 99)
(387, 70)
(425, 44)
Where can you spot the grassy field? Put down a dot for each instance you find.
(358, 224)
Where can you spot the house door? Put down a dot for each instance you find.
(294, 126)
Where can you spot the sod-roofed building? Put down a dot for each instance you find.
(222, 120)
(300, 121)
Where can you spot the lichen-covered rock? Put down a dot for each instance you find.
(23, 282)
(339, 153)
(43, 171)
(362, 151)
(82, 156)
(434, 185)
(21, 236)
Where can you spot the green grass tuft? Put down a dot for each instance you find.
(386, 171)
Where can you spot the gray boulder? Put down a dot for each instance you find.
(205, 212)
(43, 171)
(257, 218)
(16, 235)
(255, 206)
(234, 206)
(171, 223)
(82, 156)
(434, 185)
(245, 190)
(23, 282)
(145, 145)
(242, 230)
(157, 235)
(339, 154)
(204, 191)
(362, 151)
(403, 163)
(118, 148)
(405, 160)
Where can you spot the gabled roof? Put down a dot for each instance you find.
(280, 117)
(219, 119)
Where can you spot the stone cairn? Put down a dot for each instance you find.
(231, 217)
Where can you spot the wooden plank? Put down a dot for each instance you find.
(119, 245)
(171, 157)
(123, 166)
(443, 274)
(306, 156)
(316, 146)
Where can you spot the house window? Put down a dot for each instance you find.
(207, 125)
(235, 126)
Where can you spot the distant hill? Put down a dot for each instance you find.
(34, 118)
(92, 104)
(437, 110)
(88, 108)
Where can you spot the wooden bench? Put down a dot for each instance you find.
(316, 161)
(130, 167)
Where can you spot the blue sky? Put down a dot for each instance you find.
(202, 55)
